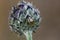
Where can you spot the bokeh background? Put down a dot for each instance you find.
(49, 27)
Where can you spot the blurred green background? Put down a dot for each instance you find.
(50, 25)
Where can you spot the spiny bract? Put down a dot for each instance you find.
(24, 17)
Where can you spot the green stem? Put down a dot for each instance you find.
(28, 35)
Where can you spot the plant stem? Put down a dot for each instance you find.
(28, 35)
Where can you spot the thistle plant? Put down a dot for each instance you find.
(24, 19)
